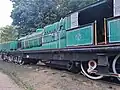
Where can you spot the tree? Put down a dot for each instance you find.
(8, 33)
(32, 14)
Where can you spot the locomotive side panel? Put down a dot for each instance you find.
(81, 36)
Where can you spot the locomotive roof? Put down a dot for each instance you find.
(95, 4)
(31, 35)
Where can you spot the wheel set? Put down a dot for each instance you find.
(19, 60)
(116, 65)
(87, 68)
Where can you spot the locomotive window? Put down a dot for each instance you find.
(26, 43)
(40, 41)
(19, 44)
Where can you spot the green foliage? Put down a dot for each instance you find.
(8, 33)
(32, 14)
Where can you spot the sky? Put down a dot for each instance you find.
(5, 11)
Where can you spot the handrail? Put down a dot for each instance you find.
(105, 30)
(95, 32)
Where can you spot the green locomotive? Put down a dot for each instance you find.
(87, 40)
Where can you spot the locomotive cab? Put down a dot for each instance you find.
(97, 12)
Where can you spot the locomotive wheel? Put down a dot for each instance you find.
(4, 58)
(116, 65)
(85, 69)
(22, 62)
(71, 66)
(10, 58)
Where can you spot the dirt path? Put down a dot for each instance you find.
(6, 83)
(43, 78)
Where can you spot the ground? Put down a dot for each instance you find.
(6, 83)
(45, 78)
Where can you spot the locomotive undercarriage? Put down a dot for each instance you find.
(94, 65)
